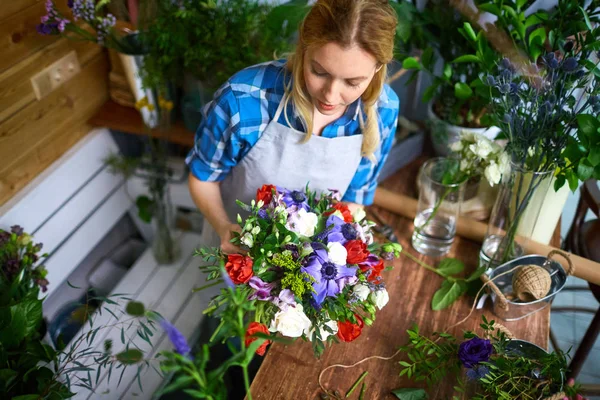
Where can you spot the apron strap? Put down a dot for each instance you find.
(280, 108)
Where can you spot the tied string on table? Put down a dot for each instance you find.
(487, 281)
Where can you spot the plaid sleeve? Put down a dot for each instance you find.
(363, 184)
(217, 144)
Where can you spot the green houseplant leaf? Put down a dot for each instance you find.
(447, 294)
(410, 394)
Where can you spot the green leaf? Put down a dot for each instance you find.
(447, 294)
(584, 170)
(491, 8)
(7, 376)
(469, 31)
(135, 308)
(594, 156)
(410, 394)
(411, 63)
(466, 58)
(447, 74)
(429, 93)
(131, 356)
(462, 90)
(559, 182)
(586, 17)
(537, 36)
(450, 266)
(145, 208)
(588, 124)
(477, 273)
(427, 58)
(573, 180)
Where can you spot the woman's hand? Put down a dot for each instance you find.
(225, 232)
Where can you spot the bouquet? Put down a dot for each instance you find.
(312, 269)
(496, 366)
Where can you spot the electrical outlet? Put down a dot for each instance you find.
(55, 75)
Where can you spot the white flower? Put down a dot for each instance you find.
(493, 174)
(482, 148)
(303, 223)
(359, 214)
(247, 240)
(380, 298)
(361, 291)
(504, 163)
(256, 230)
(324, 334)
(531, 151)
(464, 164)
(337, 253)
(291, 322)
(456, 146)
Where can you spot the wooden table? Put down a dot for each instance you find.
(291, 372)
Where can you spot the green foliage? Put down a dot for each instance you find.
(213, 40)
(509, 373)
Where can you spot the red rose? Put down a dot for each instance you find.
(357, 251)
(347, 331)
(341, 207)
(239, 268)
(375, 270)
(265, 193)
(253, 328)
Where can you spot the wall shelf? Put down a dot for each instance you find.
(126, 119)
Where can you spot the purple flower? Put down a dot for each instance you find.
(285, 299)
(262, 289)
(177, 339)
(330, 278)
(489, 80)
(17, 230)
(262, 213)
(62, 24)
(70, 3)
(294, 198)
(474, 351)
(338, 231)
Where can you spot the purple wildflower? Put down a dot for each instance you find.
(177, 339)
(294, 198)
(338, 231)
(293, 248)
(84, 9)
(262, 213)
(17, 230)
(262, 289)
(285, 299)
(62, 24)
(330, 278)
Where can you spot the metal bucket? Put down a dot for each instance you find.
(515, 309)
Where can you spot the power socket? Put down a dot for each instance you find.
(55, 75)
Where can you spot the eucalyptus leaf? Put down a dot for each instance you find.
(410, 394)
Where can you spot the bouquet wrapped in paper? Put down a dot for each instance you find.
(311, 270)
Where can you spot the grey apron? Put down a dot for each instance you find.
(278, 158)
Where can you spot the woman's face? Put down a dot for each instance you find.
(335, 77)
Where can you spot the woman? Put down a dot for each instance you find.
(324, 117)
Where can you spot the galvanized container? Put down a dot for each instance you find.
(514, 309)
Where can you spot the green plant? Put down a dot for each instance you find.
(495, 369)
(30, 369)
(213, 40)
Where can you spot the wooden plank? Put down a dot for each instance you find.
(49, 190)
(291, 372)
(127, 119)
(16, 90)
(11, 7)
(67, 106)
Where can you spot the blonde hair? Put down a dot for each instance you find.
(369, 24)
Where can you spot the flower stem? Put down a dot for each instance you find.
(434, 211)
(358, 381)
(422, 264)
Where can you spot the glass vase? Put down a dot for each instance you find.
(438, 208)
(165, 245)
(514, 215)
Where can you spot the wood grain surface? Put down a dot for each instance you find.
(291, 372)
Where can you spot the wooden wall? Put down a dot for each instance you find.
(34, 133)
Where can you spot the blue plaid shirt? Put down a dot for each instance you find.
(237, 117)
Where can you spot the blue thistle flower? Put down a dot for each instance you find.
(490, 81)
(570, 64)
(504, 88)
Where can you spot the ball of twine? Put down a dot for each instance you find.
(531, 282)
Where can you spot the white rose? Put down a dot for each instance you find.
(361, 291)
(324, 334)
(380, 298)
(359, 214)
(291, 322)
(337, 253)
(303, 223)
(493, 174)
(247, 240)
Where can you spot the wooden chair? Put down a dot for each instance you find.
(583, 239)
